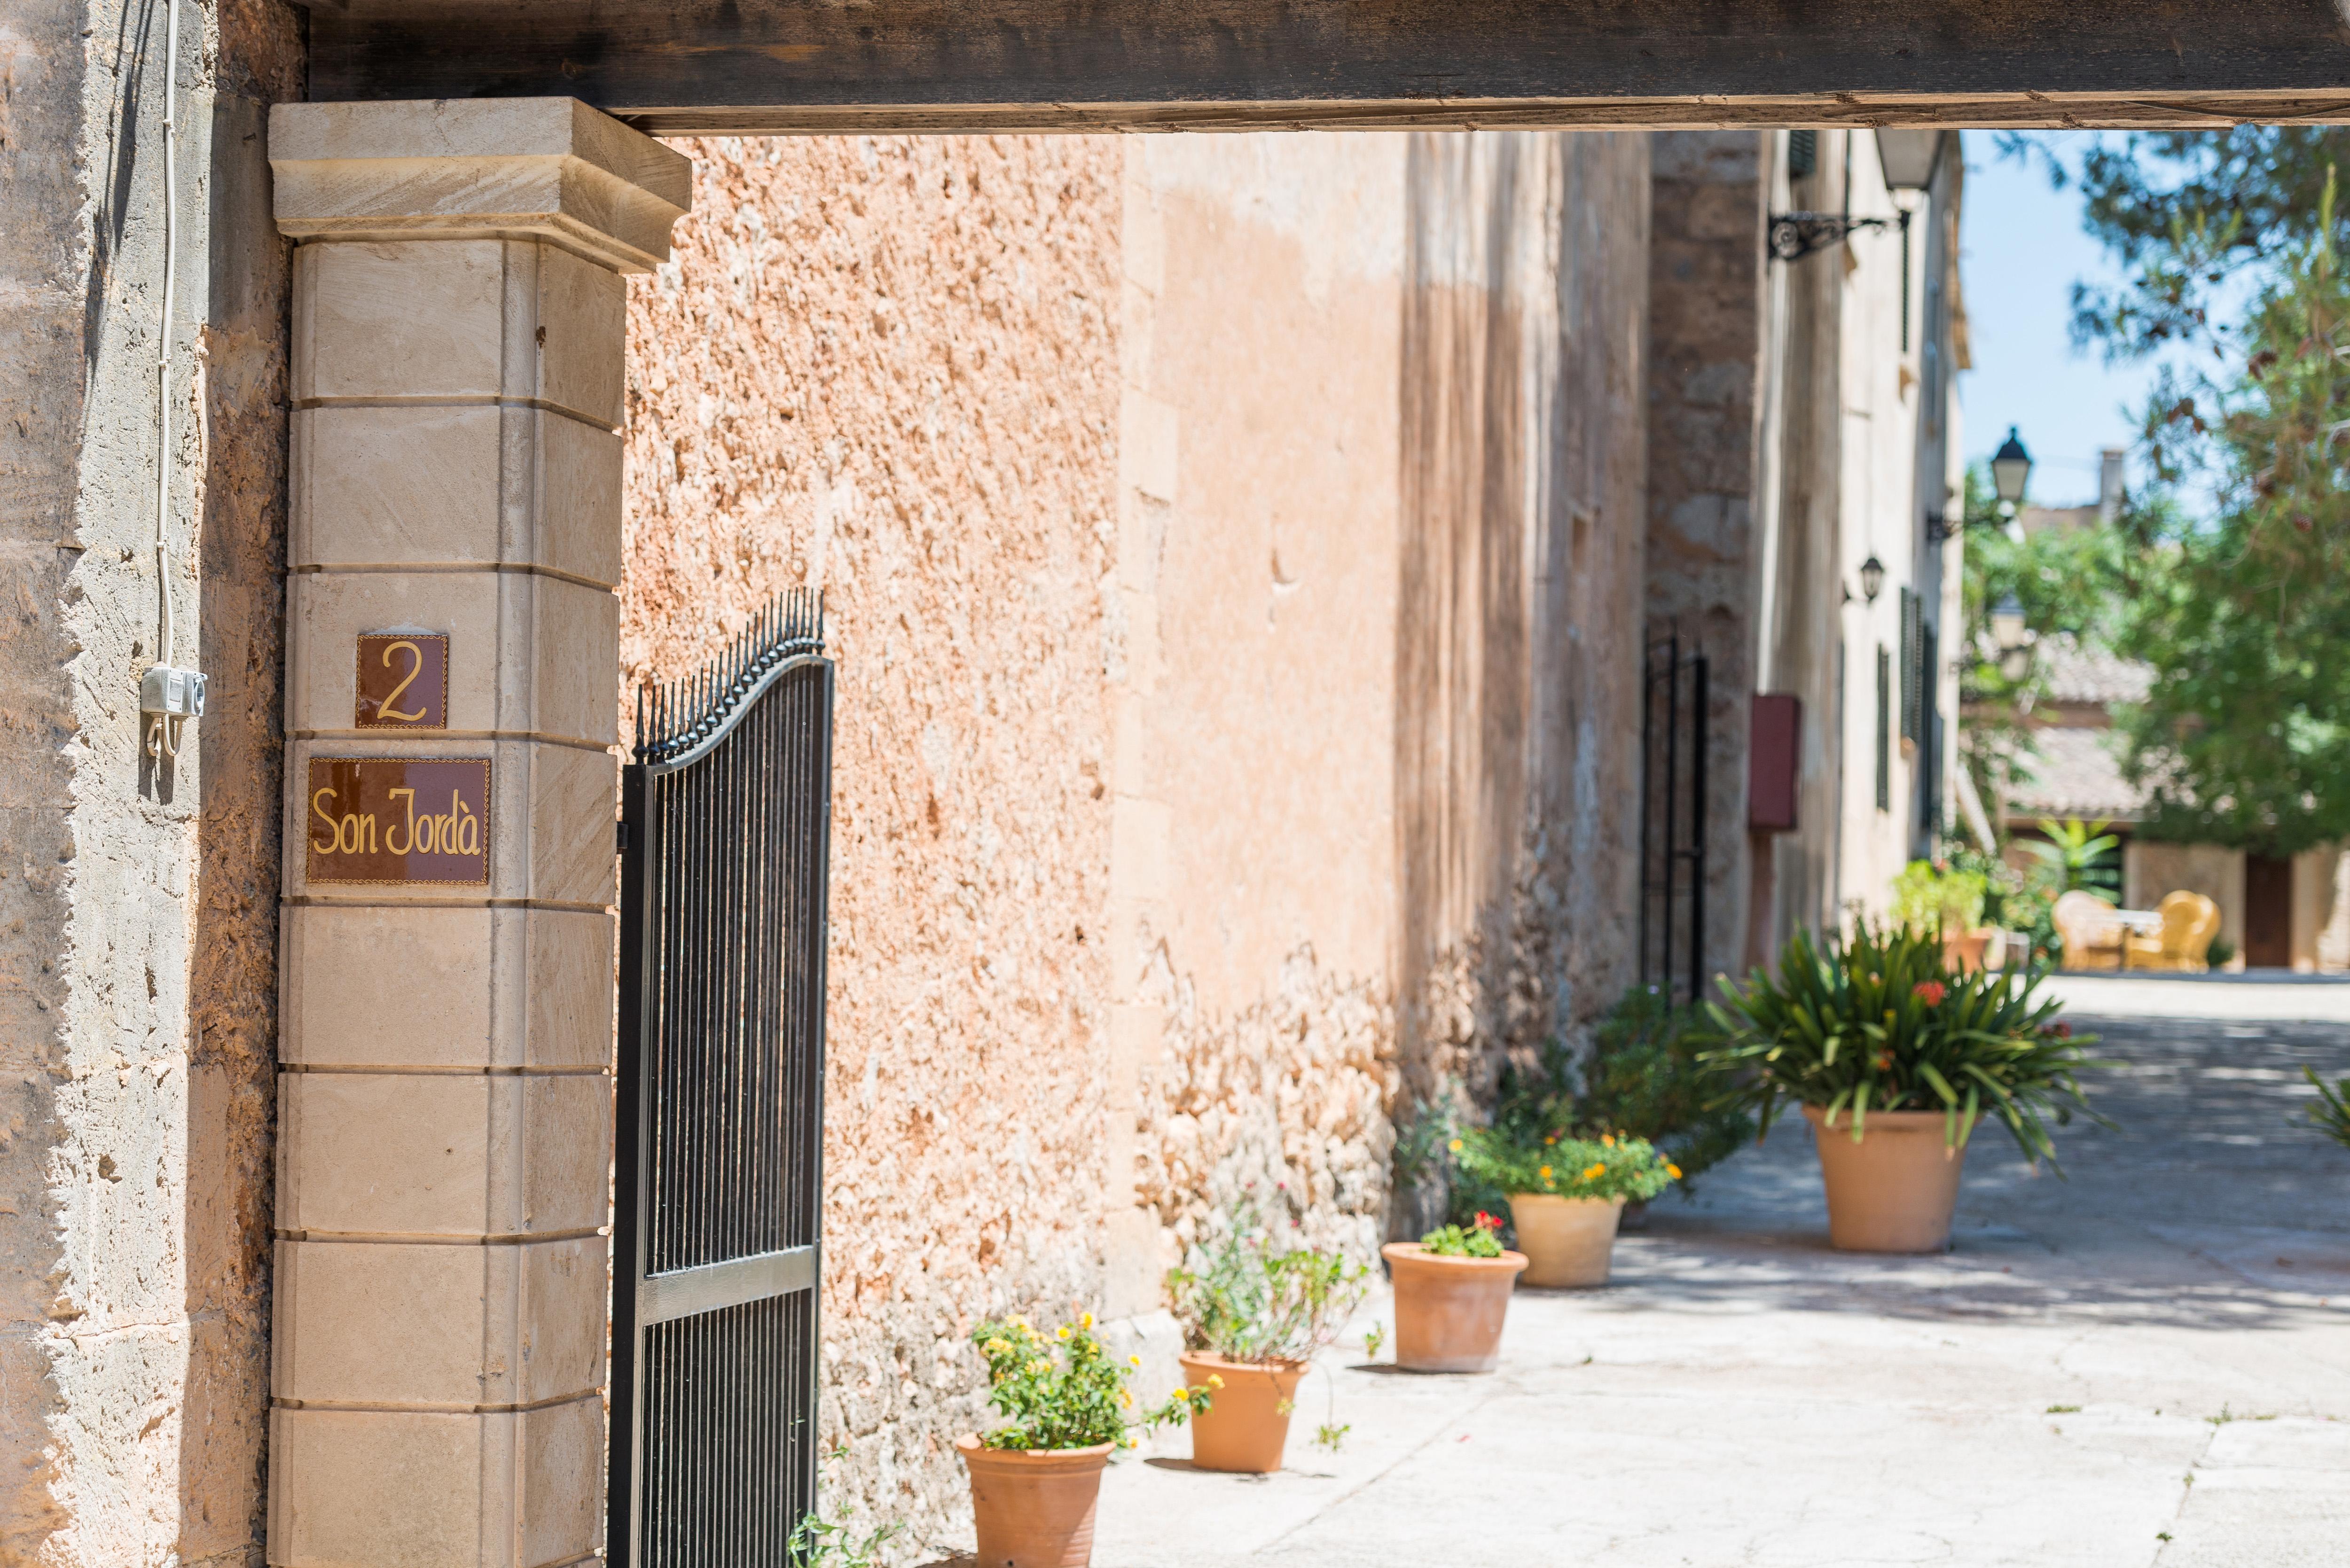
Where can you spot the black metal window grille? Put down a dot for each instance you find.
(1673, 744)
(1803, 154)
(1884, 729)
(726, 834)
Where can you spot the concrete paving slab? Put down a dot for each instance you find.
(1741, 1394)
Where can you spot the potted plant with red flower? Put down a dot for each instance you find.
(1895, 1058)
(1034, 1480)
(1452, 1295)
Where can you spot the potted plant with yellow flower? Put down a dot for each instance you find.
(1254, 1313)
(1565, 1195)
(1034, 1480)
(1452, 1295)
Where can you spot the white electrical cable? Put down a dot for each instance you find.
(162, 732)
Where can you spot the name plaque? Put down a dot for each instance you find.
(403, 681)
(399, 819)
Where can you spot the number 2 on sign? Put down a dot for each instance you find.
(390, 709)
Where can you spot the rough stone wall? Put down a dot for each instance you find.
(141, 900)
(888, 368)
(1257, 911)
(1706, 306)
(1522, 462)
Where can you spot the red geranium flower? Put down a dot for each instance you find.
(1486, 1221)
(1933, 990)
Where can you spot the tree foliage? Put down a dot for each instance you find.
(2241, 606)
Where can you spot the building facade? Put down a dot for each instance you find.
(1241, 555)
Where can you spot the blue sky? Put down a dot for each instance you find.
(2023, 249)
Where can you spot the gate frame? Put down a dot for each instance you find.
(632, 1106)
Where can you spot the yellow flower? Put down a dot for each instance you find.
(1454, 1146)
(1062, 1333)
(1672, 1171)
(1545, 1173)
(1606, 1142)
(1595, 1171)
(1125, 1398)
(1037, 1366)
(1550, 1140)
(1214, 1381)
(1135, 1361)
(996, 1347)
(1085, 1320)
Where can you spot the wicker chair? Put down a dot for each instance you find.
(2092, 937)
(2190, 921)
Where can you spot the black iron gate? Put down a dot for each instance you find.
(1673, 734)
(725, 822)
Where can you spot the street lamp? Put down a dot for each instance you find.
(1908, 158)
(2010, 469)
(1872, 578)
(2012, 636)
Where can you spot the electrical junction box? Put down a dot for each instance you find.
(171, 692)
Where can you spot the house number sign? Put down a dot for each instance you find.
(399, 819)
(403, 681)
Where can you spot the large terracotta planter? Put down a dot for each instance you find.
(1246, 1422)
(1449, 1311)
(1033, 1510)
(1567, 1241)
(1893, 1190)
(1964, 952)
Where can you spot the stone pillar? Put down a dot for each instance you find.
(444, 1133)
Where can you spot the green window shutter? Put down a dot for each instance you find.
(1913, 662)
(1884, 729)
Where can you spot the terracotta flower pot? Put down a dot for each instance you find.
(1035, 1509)
(1246, 1422)
(1567, 1241)
(1893, 1190)
(1964, 951)
(1449, 1311)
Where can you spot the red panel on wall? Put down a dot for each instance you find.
(1775, 754)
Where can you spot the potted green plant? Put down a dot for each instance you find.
(2330, 1114)
(1254, 1313)
(1034, 1479)
(1946, 902)
(1565, 1195)
(1894, 1060)
(1452, 1295)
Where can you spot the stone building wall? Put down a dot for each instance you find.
(141, 900)
(888, 368)
(1232, 554)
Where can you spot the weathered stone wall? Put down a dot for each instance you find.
(888, 368)
(1706, 324)
(140, 899)
(1149, 483)
(1522, 468)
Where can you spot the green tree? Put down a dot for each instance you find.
(2245, 738)
(2071, 582)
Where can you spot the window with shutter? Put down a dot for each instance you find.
(1913, 649)
(1884, 729)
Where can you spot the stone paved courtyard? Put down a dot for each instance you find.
(2148, 1364)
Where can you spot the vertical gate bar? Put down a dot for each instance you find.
(1700, 729)
(817, 940)
(1648, 786)
(629, 1108)
(1672, 802)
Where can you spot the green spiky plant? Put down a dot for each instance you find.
(2330, 1114)
(1882, 1023)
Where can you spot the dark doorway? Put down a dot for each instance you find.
(2268, 913)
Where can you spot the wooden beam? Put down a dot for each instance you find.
(821, 66)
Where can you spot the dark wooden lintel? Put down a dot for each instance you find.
(677, 67)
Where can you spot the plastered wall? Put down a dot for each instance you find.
(140, 901)
(1232, 551)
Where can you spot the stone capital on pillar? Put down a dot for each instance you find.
(520, 168)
